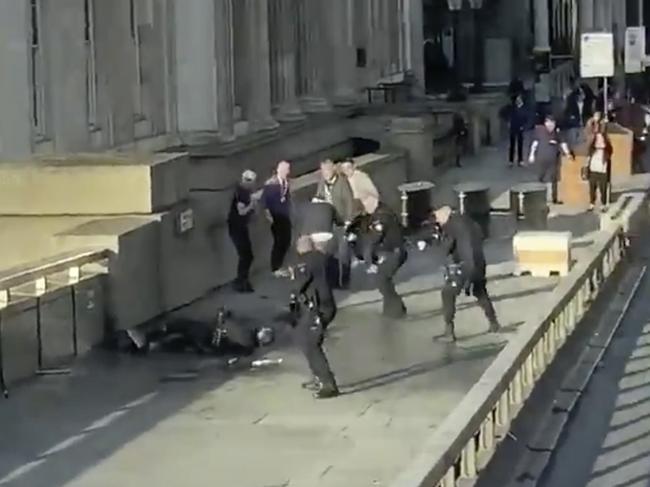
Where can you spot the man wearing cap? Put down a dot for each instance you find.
(384, 253)
(334, 189)
(546, 151)
(461, 238)
(314, 308)
(242, 207)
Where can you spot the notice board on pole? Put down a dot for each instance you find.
(597, 55)
(634, 49)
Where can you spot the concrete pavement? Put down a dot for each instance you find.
(190, 421)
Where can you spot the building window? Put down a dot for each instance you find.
(91, 66)
(38, 71)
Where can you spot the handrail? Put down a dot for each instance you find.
(39, 272)
(468, 437)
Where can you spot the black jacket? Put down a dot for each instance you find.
(385, 233)
(312, 282)
(314, 217)
(463, 241)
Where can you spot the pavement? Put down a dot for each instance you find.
(183, 420)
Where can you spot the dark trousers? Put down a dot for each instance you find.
(598, 181)
(450, 293)
(309, 337)
(338, 265)
(281, 230)
(548, 173)
(516, 144)
(393, 306)
(242, 241)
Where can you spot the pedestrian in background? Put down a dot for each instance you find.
(599, 165)
(518, 121)
(276, 199)
(242, 207)
(335, 189)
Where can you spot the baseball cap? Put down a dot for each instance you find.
(248, 176)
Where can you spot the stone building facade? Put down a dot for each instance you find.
(82, 75)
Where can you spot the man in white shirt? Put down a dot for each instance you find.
(363, 189)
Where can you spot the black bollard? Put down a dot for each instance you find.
(416, 203)
(529, 205)
(474, 201)
(3, 384)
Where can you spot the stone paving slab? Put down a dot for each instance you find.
(113, 421)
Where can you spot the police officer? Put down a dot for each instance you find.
(384, 254)
(546, 151)
(462, 240)
(314, 309)
(241, 208)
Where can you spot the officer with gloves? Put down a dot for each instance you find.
(462, 240)
(314, 308)
(385, 253)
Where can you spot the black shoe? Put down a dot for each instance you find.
(495, 326)
(243, 287)
(450, 333)
(326, 391)
(311, 385)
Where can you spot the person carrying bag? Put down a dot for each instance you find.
(598, 170)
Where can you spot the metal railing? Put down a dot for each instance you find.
(468, 438)
(37, 280)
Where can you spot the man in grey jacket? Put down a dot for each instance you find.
(335, 189)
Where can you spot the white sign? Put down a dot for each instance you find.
(597, 55)
(634, 49)
(185, 221)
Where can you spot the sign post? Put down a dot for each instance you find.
(597, 58)
(634, 49)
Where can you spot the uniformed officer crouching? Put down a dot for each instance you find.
(385, 253)
(314, 308)
(462, 240)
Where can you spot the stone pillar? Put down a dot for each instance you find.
(15, 82)
(284, 38)
(344, 66)
(224, 49)
(258, 103)
(196, 66)
(541, 25)
(415, 135)
(586, 14)
(315, 64)
(415, 42)
(63, 41)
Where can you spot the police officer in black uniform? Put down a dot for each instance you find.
(385, 253)
(314, 309)
(461, 238)
(242, 207)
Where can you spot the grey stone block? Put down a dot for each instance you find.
(56, 324)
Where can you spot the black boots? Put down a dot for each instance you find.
(450, 333)
(242, 286)
(326, 391)
(495, 326)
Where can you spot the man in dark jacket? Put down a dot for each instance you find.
(462, 240)
(385, 253)
(242, 207)
(518, 122)
(335, 189)
(314, 308)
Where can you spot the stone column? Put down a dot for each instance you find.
(15, 93)
(415, 42)
(65, 48)
(414, 134)
(586, 14)
(258, 103)
(315, 63)
(541, 25)
(344, 66)
(284, 36)
(224, 47)
(196, 65)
